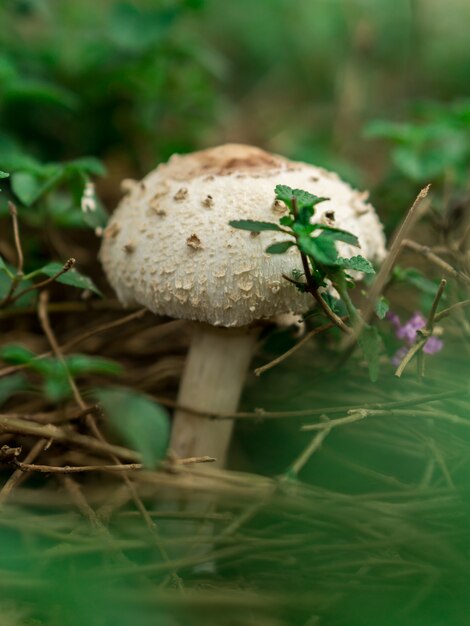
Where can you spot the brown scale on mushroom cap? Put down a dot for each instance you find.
(233, 280)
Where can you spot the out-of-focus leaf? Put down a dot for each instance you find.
(143, 424)
(280, 247)
(72, 277)
(16, 354)
(381, 307)
(371, 344)
(10, 385)
(84, 364)
(40, 92)
(88, 165)
(25, 186)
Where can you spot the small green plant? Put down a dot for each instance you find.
(322, 265)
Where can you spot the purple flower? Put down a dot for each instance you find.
(433, 345)
(407, 333)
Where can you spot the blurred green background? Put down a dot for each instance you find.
(378, 90)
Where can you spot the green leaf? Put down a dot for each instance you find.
(284, 193)
(305, 199)
(143, 424)
(10, 385)
(4, 174)
(286, 220)
(414, 277)
(280, 247)
(87, 165)
(4, 267)
(25, 186)
(72, 277)
(358, 263)
(322, 249)
(16, 354)
(338, 234)
(371, 344)
(253, 225)
(381, 307)
(84, 364)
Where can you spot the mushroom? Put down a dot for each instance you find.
(168, 252)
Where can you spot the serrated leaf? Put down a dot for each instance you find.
(381, 307)
(370, 342)
(304, 199)
(72, 277)
(143, 424)
(254, 226)
(338, 234)
(322, 249)
(279, 247)
(357, 263)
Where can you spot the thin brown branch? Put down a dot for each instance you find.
(299, 344)
(20, 258)
(91, 423)
(16, 235)
(436, 260)
(18, 475)
(44, 283)
(450, 310)
(77, 340)
(261, 414)
(79, 469)
(423, 334)
(414, 214)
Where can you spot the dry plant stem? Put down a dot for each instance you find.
(20, 258)
(76, 340)
(90, 421)
(67, 267)
(66, 307)
(413, 215)
(299, 344)
(18, 475)
(213, 379)
(424, 334)
(78, 469)
(436, 260)
(261, 414)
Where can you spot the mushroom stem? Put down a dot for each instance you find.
(212, 381)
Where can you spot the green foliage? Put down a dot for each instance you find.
(143, 424)
(382, 307)
(54, 375)
(317, 246)
(280, 247)
(435, 146)
(72, 277)
(254, 226)
(357, 263)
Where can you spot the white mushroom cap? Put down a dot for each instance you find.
(169, 246)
